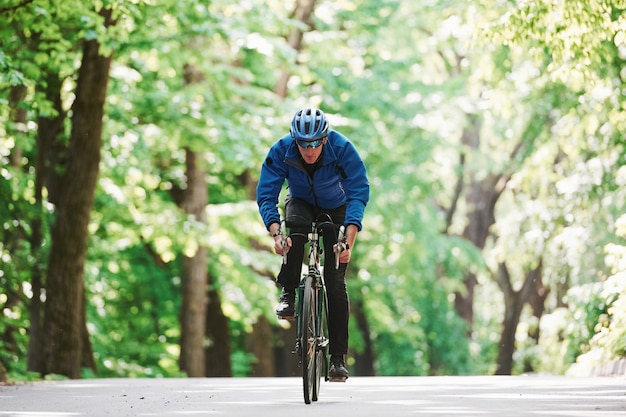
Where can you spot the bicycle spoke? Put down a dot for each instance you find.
(308, 341)
(321, 362)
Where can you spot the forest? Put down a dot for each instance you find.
(132, 133)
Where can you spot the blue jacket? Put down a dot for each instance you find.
(340, 179)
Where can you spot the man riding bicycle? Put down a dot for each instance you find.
(325, 175)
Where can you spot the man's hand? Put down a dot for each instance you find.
(278, 245)
(282, 243)
(345, 251)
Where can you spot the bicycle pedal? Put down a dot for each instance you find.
(337, 379)
(288, 318)
(296, 350)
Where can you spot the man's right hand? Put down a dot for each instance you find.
(278, 244)
(282, 243)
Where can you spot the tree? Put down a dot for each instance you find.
(65, 336)
(302, 13)
(65, 343)
(195, 275)
(383, 73)
(492, 135)
(208, 117)
(303, 22)
(577, 54)
(513, 304)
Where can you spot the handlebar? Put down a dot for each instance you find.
(315, 227)
(319, 225)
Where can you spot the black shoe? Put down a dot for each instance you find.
(285, 308)
(338, 371)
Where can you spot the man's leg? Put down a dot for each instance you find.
(338, 317)
(289, 276)
(338, 304)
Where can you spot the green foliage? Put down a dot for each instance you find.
(10, 75)
(610, 330)
(592, 330)
(402, 79)
(574, 35)
(608, 341)
(242, 271)
(132, 314)
(21, 217)
(586, 305)
(567, 332)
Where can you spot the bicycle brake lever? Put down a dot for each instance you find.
(283, 240)
(341, 238)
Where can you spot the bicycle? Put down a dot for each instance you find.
(312, 308)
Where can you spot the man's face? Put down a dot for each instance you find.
(311, 150)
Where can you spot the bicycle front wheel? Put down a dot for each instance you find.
(321, 361)
(308, 342)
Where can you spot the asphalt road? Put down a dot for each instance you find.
(526, 396)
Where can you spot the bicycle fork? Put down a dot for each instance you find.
(299, 314)
(322, 311)
(299, 317)
(321, 341)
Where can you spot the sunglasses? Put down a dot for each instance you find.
(310, 143)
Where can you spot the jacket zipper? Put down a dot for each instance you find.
(301, 168)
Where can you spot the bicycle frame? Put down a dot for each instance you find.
(318, 283)
(312, 369)
(312, 285)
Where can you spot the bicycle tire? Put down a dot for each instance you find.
(321, 360)
(308, 342)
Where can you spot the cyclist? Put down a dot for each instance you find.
(325, 175)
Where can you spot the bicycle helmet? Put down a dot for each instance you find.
(309, 124)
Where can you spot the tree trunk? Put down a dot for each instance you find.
(513, 303)
(481, 203)
(479, 219)
(512, 311)
(481, 199)
(259, 344)
(218, 349)
(3, 374)
(302, 13)
(286, 363)
(63, 318)
(536, 300)
(363, 361)
(48, 132)
(195, 280)
(86, 357)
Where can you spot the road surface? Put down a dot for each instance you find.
(528, 396)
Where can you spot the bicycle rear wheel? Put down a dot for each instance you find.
(308, 342)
